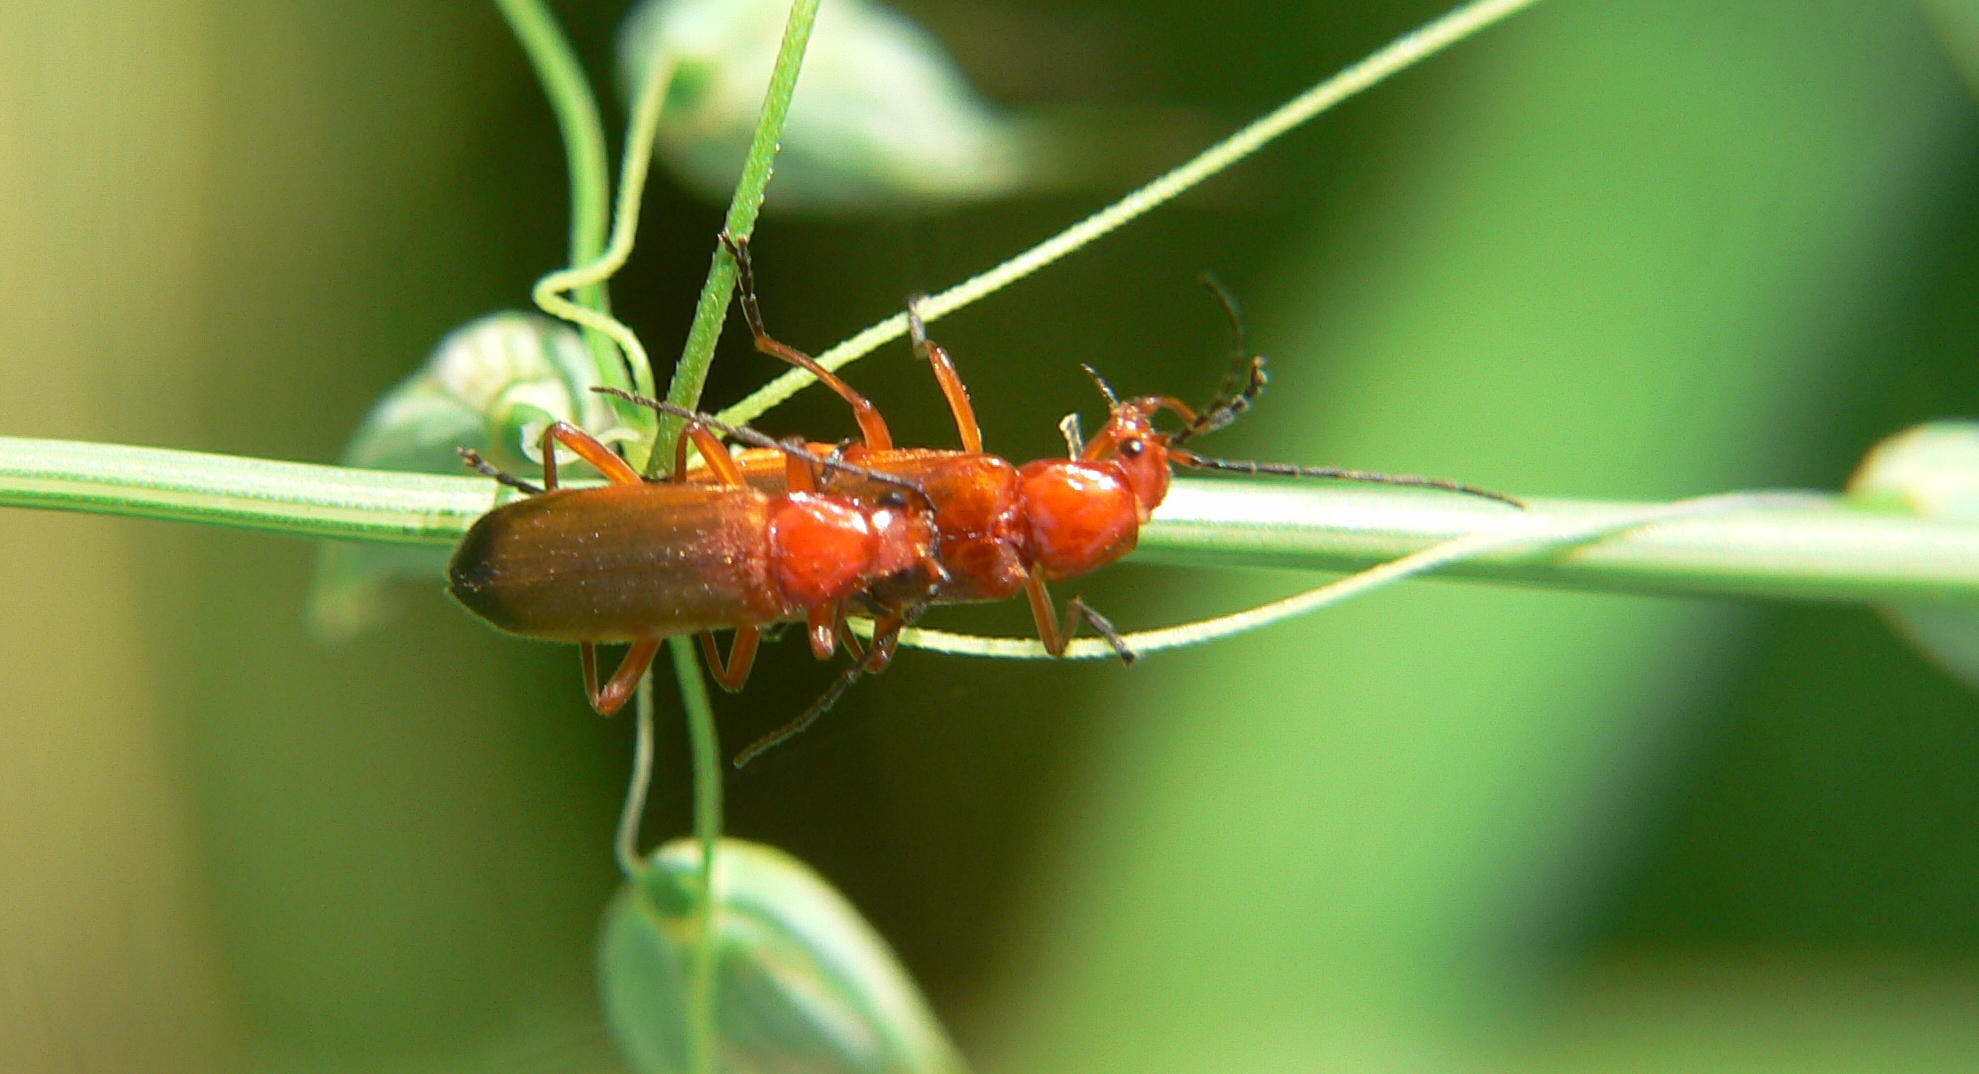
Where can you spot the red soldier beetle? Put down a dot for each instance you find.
(1003, 528)
(637, 561)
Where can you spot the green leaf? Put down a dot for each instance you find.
(886, 122)
(1931, 472)
(492, 385)
(804, 982)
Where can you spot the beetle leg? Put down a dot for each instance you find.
(824, 623)
(951, 382)
(871, 425)
(1056, 635)
(590, 449)
(853, 646)
(731, 673)
(615, 693)
(799, 469)
(886, 635)
(887, 623)
(719, 462)
(1078, 610)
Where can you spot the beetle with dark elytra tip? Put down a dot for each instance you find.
(638, 561)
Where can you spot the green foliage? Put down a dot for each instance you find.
(1621, 250)
(1931, 472)
(805, 982)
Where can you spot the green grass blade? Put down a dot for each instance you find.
(1812, 548)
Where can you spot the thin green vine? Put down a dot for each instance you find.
(1403, 52)
(593, 272)
(583, 134)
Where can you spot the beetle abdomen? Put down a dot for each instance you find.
(621, 562)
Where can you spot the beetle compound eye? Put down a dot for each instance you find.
(895, 500)
(1132, 448)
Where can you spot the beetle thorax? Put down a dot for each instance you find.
(821, 548)
(1079, 515)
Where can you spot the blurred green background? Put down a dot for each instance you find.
(1619, 249)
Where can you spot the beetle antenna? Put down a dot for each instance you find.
(834, 462)
(1232, 312)
(1099, 382)
(874, 655)
(1241, 388)
(1242, 384)
(1278, 469)
(475, 462)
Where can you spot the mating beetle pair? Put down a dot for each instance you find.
(810, 532)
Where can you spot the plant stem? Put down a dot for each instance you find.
(691, 372)
(1818, 548)
(1801, 546)
(296, 498)
(704, 746)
